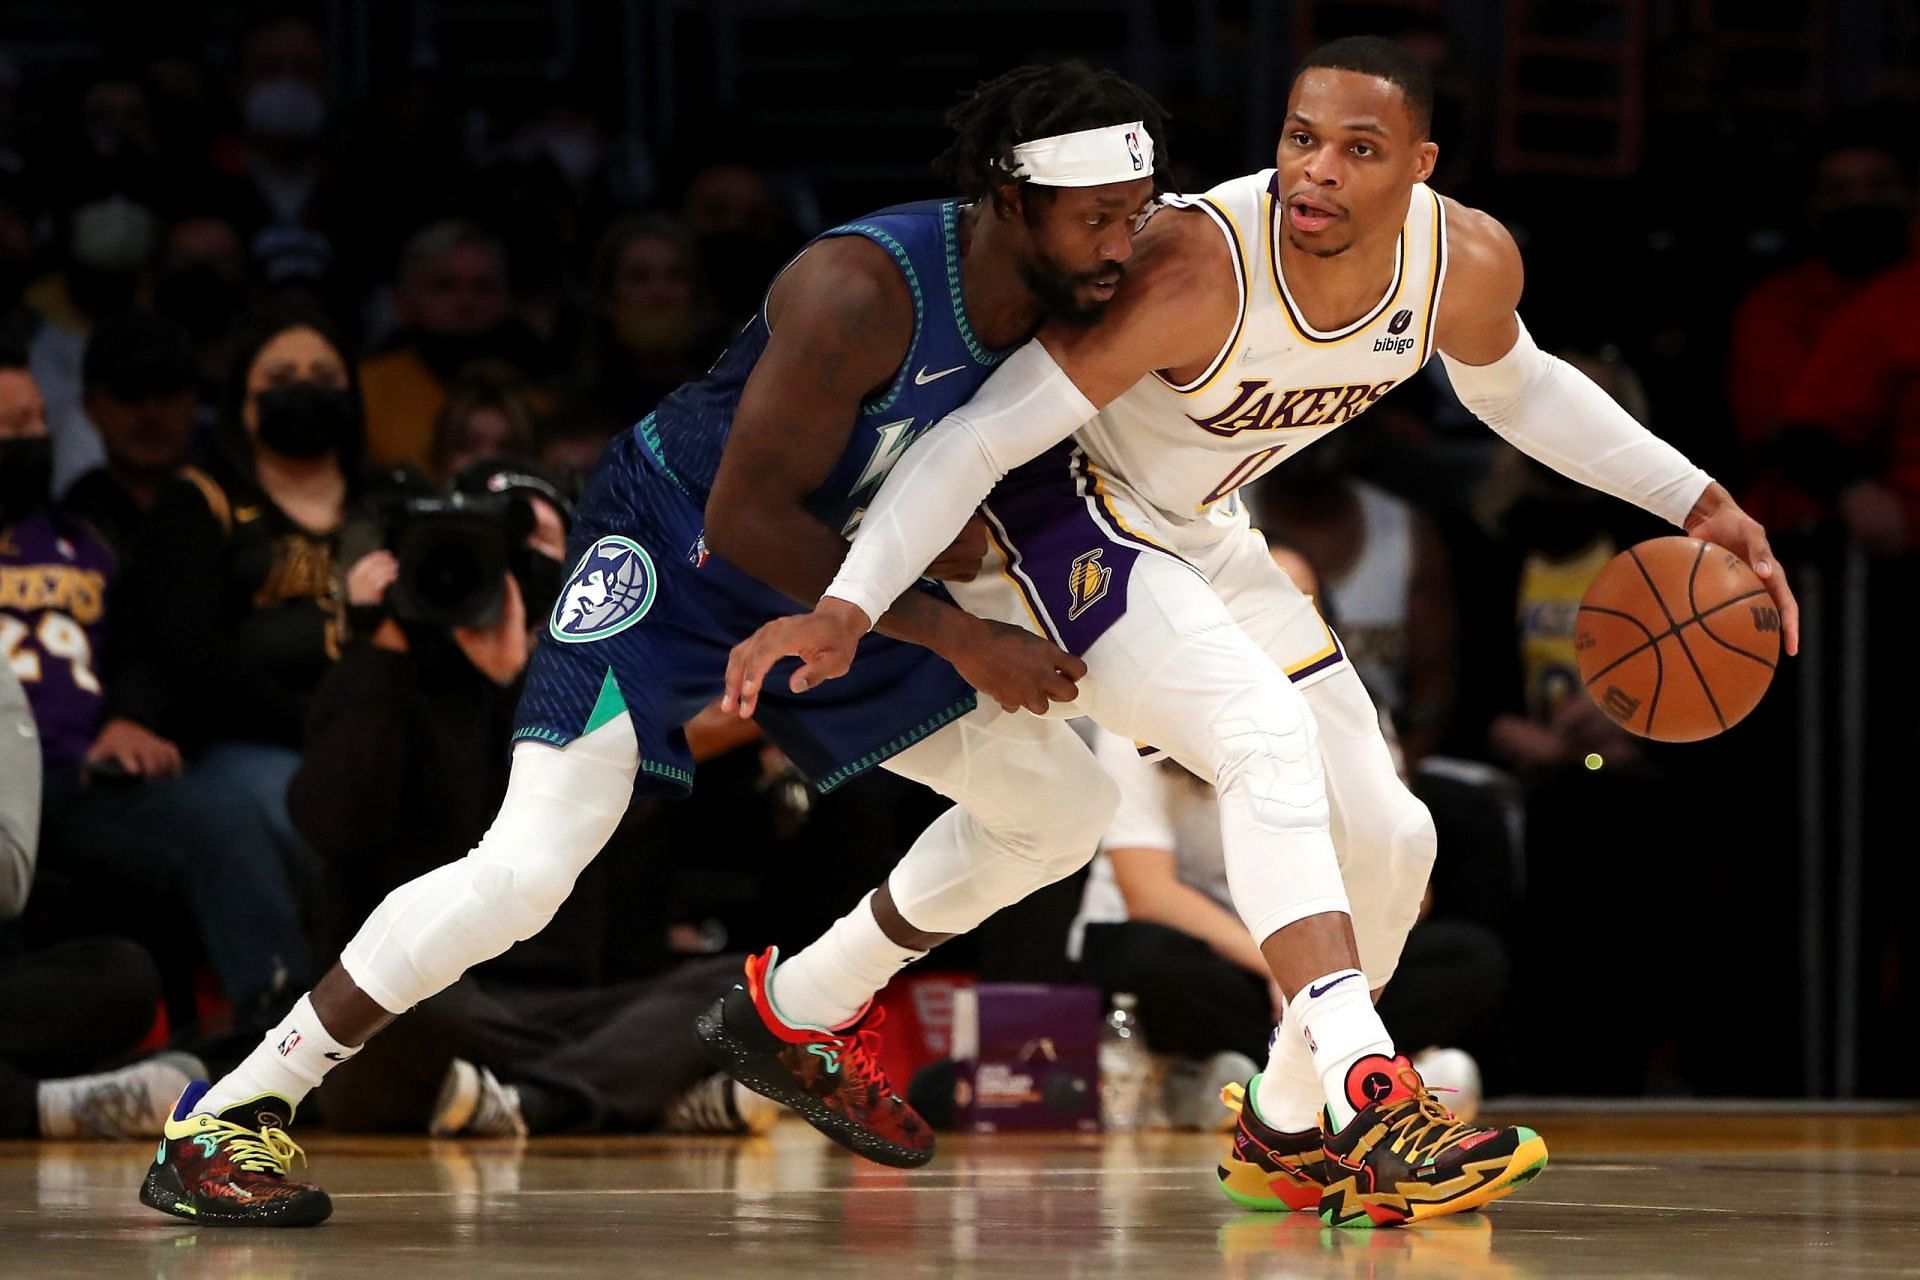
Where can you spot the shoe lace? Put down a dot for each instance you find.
(1420, 1123)
(269, 1150)
(860, 1053)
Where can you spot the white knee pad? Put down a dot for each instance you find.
(1281, 866)
(1384, 835)
(1031, 806)
(1386, 873)
(561, 807)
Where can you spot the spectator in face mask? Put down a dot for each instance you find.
(1858, 220)
(279, 193)
(453, 305)
(233, 589)
(653, 323)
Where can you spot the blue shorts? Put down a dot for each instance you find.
(647, 618)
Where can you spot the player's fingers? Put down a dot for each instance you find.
(1789, 607)
(1069, 666)
(743, 683)
(1037, 703)
(1060, 689)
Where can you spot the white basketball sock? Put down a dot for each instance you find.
(289, 1063)
(1287, 1096)
(825, 984)
(1341, 1026)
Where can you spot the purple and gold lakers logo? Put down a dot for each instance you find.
(1087, 582)
(610, 589)
(1257, 407)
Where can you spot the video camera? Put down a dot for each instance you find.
(455, 551)
(455, 548)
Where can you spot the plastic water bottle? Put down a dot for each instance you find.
(1125, 1068)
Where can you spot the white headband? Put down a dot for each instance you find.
(1089, 158)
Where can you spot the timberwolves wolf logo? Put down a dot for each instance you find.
(611, 589)
(1087, 582)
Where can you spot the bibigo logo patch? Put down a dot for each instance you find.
(609, 590)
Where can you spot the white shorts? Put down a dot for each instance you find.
(1066, 541)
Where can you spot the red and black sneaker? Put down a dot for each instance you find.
(230, 1170)
(1267, 1168)
(832, 1078)
(1404, 1157)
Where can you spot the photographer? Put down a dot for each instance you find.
(405, 764)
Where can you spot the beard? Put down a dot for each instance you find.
(1318, 253)
(1059, 291)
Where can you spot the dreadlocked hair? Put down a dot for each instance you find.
(1039, 102)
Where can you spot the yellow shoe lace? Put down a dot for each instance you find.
(268, 1150)
(1423, 1125)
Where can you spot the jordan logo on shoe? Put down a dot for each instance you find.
(1316, 992)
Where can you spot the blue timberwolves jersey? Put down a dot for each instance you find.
(647, 617)
(944, 367)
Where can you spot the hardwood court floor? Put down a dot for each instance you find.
(1759, 1197)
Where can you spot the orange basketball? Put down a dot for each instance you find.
(1677, 639)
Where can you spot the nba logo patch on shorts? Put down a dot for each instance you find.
(609, 590)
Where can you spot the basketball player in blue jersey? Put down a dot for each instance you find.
(1254, 320)
(729, 506)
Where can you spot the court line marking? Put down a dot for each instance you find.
(740, 1192)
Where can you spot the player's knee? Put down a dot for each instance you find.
(1413, 842)
(1273, 767)
(1065, 821)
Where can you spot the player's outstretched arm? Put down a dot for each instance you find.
(1176, 306)
(1551, 411)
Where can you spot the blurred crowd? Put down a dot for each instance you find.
(253, 380)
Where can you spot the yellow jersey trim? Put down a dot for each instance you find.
(1236, 241)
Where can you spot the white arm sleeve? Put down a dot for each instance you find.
(1026, 407)
(1547, 409)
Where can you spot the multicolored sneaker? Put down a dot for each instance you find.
(832, 1078)
(230, 1170)
(1404, 1156)
(1265, 1168)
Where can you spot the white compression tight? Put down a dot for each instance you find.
(1031, 804)
(561, 807)
(1176, 671)
(1383, 834)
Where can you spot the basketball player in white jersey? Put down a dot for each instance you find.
(1252, 321)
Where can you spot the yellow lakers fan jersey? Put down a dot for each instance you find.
(1183, 449)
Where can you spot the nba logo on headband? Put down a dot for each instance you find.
(1087, 158)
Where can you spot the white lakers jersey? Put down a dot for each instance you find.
(1183, 450)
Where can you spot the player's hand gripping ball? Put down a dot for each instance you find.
(1677, 639)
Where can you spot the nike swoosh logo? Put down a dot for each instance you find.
(1316, 992)
(336, 1057)
(922, 378)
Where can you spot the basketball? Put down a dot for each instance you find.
(1677, 639)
